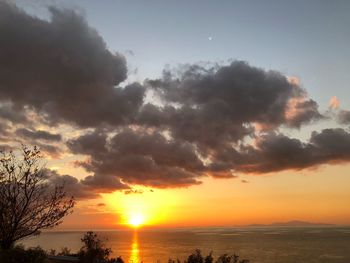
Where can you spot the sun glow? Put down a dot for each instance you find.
(147, 209)
(136, 220)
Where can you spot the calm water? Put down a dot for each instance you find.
(273, 245)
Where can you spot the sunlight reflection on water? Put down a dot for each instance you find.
(134, 252)
(278, 245)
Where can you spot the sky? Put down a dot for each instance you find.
(234, 112)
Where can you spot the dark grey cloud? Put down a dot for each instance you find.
(207, 126)
(241, 92)
(152, 160)
(47, 142)
(344, 117)
(223, 103)
(138, 157)
(54, 151)
(93, 143)
(14, 114)
(63, 69)
(333, 145)
(72, 185)
(302, 112)
(276, 152)
(38, 135)
(89, 187)
(104, 183)
(207, 114)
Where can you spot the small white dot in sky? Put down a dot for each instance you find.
(210, 38)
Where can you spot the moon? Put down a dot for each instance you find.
(210, 38)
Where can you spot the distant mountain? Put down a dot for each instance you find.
(293, 223)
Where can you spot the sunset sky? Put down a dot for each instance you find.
(183, 113)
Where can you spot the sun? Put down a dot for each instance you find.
(142, 210)
(136, 220)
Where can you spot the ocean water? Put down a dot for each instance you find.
(259, 245)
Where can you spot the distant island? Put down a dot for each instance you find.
(293, 223)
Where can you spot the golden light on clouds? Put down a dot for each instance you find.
(334, 103)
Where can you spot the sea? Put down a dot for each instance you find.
(259, 245)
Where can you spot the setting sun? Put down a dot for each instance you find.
(146, 209)
(136, 220)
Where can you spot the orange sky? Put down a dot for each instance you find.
(318, 196)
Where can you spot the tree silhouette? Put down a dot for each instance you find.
(28, 203)
(196, 257)
(94, 250)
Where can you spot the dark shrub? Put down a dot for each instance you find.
(209, 258)
(94, 250)
(19, 255)
(65, 251)
(196, 257)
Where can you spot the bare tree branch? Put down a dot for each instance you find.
(28, 203)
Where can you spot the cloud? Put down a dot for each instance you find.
(11, 113)
(276, 152)
(341, 115)
(52, 151)
(344, 117)
(133, 191)
(210, 120)
(152, 160)
(300, 111)
(220, 104)
(38, 135)
(63, 69)
(239, 91)
(87, 188)
(334, 103)
(104, 183)
(4, 129)
(138, 157)
(200, 129)
(333, 145)
(71, 184)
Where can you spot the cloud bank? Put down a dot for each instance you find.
(63, 69)
(213, 120)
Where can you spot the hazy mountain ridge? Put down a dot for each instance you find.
(293, 223)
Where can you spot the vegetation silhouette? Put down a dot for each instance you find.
(197, 257)
(94, 250)
(28, 203)
(18, 254)
(65, 251)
